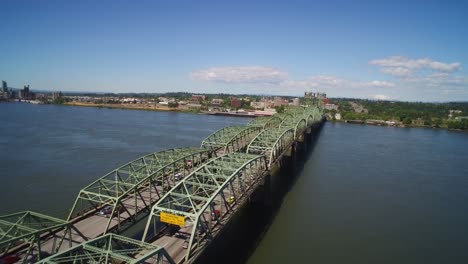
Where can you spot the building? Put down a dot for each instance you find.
(26, 94)
(197, 97)
(338, 116)
(317, 95)
(217, 101)
(235, 102)
(331, 106)
(4, 93)
(257, 105)
(278, 101)
(296, 102)
(56, 95)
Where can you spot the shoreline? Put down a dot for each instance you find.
(159, 109)
(360, 122)
(191, 111)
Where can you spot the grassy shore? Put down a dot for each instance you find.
(144, 107)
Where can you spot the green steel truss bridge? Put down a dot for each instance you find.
(133, 188)
(197, 189)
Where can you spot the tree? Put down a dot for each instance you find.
(173, 104)
(279, 109)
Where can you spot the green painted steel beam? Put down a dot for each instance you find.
(112, 248)
(23, 231)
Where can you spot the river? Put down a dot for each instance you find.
(366, 194)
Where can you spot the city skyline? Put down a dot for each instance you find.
(397, 51)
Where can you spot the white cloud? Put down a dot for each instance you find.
(403, 66)
(327, 81)
(242, 74)
(382, 84)
(397, 71)
(381, 97)
(420, 79)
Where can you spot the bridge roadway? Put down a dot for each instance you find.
(207, 194)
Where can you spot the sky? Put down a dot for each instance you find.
(385, 50)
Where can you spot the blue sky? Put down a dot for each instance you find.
(365, 49)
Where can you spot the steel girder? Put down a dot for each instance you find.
(231, 138)
(309, 118)
(315, 112)
(208, 197)
(299, 124)
(112, 248)
(136, 185)
(24, 230)
(294, 110)
(266, 122)
(284, 116)
(272, 143)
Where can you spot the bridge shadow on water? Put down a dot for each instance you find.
(242, 235)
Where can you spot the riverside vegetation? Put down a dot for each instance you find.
(451, 115)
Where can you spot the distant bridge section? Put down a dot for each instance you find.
(231, 138)
(266, 122)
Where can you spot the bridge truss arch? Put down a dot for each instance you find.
(231, 138)
(265, 122)
(299, 124)
(272, 143)
(309, 119)
(294, 110)
(208, 198)
(25, 230)
(112, 248)
(135, 186)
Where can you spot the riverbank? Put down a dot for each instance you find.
(363, 122)
(147, 107)
(131, 107)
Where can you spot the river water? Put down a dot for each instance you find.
(366, 194)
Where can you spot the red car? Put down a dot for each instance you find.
(215, 215)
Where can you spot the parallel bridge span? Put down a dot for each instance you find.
(205, 200)
(272, 143)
